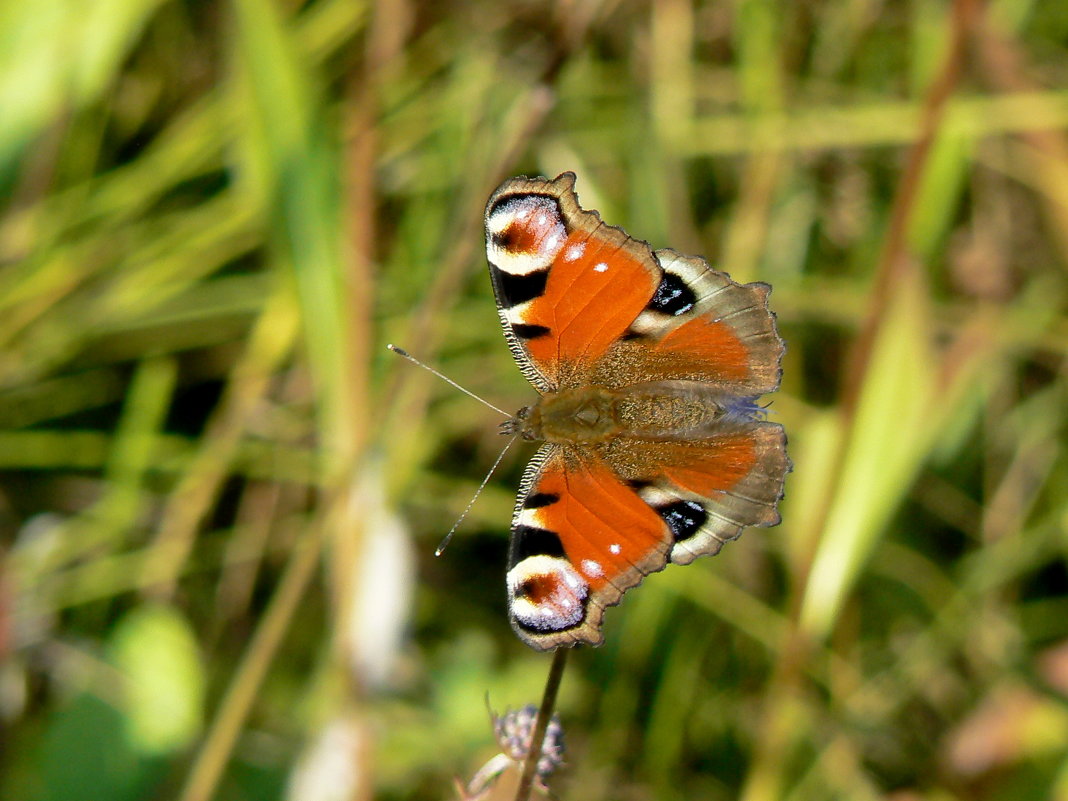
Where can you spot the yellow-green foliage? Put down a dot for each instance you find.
(220, 494)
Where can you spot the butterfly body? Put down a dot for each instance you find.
(655, 410)
(648, 365)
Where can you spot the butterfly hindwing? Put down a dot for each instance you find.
(590, 523)
(709, 489)
(700, 326)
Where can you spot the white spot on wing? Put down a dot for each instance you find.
(592, 568)
(614, 547)
(575, 251)
(600, 267)
(529, 517)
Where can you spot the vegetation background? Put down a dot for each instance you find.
(220, 494)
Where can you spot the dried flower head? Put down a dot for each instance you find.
(499, 777)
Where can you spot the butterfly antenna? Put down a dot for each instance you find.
(444, 543)
(445, 378)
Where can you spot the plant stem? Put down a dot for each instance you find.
(545, 713)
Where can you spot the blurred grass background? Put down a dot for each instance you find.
(220, 495)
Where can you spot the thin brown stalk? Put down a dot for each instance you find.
(545, 713)
(776, 733)
(203, 778)
(894, 262)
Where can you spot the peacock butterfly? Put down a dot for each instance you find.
(649, 364)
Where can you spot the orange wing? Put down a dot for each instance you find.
(590, 523)
(567, 285)
(708, 490)
(700, 326)
(582, 302)
(580, 539)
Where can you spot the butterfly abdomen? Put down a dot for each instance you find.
(658, 410)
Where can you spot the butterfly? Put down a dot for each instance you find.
(648, 364)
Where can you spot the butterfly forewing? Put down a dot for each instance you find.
(580, 539)
(567, 285)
